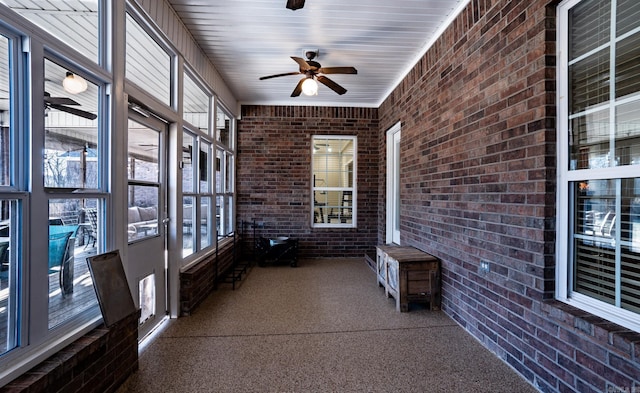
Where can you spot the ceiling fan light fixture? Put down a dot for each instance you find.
(74, 84)
(310, 87)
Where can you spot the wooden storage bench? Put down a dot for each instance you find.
(409, 275)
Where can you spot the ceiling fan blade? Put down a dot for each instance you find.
(296, 92)
(331, 84)
(278, 75)
(74, 111)
(338, 70)
(304, 66)
(295, 4)
(58, 100)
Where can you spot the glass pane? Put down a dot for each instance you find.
(61, 17)
(628, 16)
(628, 134)
(206, 224)
(204, 167)
(630, 245)
(195, 105)
(630, 214)
(333, 163)
(220, 215)
(590, 141)
(188, 245)
(219, 174)
(589, 82)
(143, 152)
(74, 227)
(595, 208)
(147, 297)
(333, 207)
(228, 174)
(628, 66)
(595, 271)
(223, 128)
(71, 132)
(595, 238)
(5, 114)
(588, 26)
(320, 208)
(188, 141)
(630, 275)
(147, 64)
(228, 214)
(9, 321)
(142, 215)
(598, 242)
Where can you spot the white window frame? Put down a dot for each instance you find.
(225, 223)
(320, 187)
(565, 178)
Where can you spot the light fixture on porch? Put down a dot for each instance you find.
(310, 87)
(74, 84)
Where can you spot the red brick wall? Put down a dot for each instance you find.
(99, 362)
(478, 183)
(274, 174)
(198, 281)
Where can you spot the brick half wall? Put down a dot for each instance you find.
(100, 361)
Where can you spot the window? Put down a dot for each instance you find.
(225, 173)
(599, 154)
(59, 18)
(197, 158)
(333, 181)
(148, 64)
(144, 208)
(71, 165)
(196, 105)
(10, 204)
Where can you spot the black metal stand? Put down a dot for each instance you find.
(277, 250)
(239, 265)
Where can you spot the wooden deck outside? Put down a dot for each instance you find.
(61, 307)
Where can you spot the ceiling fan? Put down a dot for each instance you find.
(311, 70)
(295, 4)
(60, 103)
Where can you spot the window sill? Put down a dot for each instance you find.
(586, 323)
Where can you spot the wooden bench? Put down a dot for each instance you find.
(370, 259)
(409, 275)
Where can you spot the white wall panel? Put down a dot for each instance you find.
(167, 20)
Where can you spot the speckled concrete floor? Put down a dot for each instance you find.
(324, 326)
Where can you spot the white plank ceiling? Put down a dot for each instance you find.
(248, 39)
(382, 39)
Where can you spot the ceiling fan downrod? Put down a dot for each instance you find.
(295, 4)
